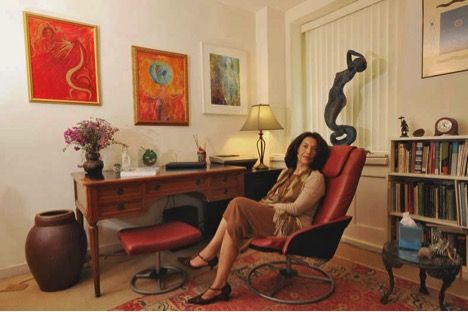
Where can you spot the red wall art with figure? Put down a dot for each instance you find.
(62, 60)
(160, 87)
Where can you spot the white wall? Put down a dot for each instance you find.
(35, 173)
(423, 101)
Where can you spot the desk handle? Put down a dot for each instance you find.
(225, 191)
(156, 187)
(197, 181)
(121, 206)
(224, 179)
(120, 191)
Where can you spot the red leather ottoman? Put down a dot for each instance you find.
(157, 238)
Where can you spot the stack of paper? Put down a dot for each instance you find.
(139, 172)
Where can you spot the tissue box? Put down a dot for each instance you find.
(410, 237)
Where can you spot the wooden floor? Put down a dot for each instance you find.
(22, 293)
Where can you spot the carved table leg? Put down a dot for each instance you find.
(422, 278)
(446, 282)
(94, 248)
(388, 267)
(79, 217)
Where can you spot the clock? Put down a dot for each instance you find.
(446, 125)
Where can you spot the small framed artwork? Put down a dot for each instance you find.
(224, 72)
(62, 60)
(445, 37)
(160, 87)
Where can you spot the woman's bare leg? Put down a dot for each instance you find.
(211, 250)
(227, 256)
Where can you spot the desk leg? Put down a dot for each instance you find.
(422, 279)
(94, 248)
(79, 217)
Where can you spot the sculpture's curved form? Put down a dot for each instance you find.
(337, 99)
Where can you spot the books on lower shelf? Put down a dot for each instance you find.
(139, 172)
(429, 179)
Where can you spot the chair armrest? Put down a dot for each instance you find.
(318, 240)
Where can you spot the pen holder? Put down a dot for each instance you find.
(201, 156)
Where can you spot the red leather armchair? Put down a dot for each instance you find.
(319, 240)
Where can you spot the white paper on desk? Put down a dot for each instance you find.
(139, 172)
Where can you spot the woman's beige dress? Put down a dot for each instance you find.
(298, 195)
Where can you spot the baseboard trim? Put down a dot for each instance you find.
(362, 244)
(19, 269)
(14, 270)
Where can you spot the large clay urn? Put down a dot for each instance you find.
(56, 250)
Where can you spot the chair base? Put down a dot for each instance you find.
(160, 278)
(286, 275)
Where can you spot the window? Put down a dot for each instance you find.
(366, 26)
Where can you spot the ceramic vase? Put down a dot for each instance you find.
(93, 165)
(56, 249)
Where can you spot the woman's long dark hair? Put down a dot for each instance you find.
(320, 157)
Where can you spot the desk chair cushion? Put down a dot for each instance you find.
(159, 237)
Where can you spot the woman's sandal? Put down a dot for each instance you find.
(186, 261)
(224, 295)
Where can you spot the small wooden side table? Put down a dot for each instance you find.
(439, 267)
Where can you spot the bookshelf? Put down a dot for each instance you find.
(428, 178)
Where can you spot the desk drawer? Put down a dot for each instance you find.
(220, 193)
(176, 185)
(225, 180)
(120, 208)
(119, 192)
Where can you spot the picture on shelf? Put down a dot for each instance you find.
(62, 60)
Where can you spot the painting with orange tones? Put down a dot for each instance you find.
(160, 87)
(62, 60)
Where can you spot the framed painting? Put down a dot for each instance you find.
(224, 72)
(445, 37)
(62, 60)
(160, 87)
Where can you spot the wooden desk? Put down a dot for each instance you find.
(114, 197)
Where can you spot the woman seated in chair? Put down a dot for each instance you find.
(289, 205)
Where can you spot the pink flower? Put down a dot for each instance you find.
(90, 135)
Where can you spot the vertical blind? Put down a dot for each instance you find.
(371, 94)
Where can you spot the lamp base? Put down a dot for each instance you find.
(261, 166)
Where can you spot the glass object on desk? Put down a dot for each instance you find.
(126, 160)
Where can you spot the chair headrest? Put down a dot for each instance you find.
(336, 160)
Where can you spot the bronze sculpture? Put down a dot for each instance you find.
(337, 99)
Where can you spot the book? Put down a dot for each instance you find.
(418, 157)
(444, 158)
(139, 172)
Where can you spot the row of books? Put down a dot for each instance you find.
(428, 199)
(434, 157)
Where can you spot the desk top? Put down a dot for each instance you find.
(110, 177)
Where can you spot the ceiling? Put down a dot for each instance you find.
(255, 5)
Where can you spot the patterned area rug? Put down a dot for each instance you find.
(357, 288)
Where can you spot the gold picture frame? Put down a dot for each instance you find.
(445, 37)
(62, 60)
(160, 87)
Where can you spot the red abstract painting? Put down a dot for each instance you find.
(160, 87)
(62, 60)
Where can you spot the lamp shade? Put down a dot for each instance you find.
(261, 118)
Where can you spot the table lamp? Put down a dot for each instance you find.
(261, 118)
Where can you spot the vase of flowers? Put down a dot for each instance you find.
(91, 136)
